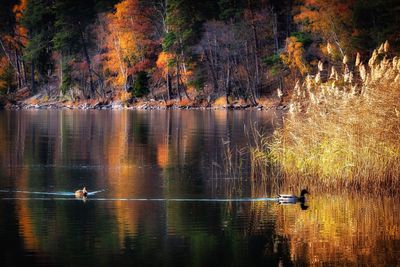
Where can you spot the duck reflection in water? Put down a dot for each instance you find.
(288, 199)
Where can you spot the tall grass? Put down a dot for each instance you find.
(344, 132)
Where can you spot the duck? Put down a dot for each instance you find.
(292, 199)
(81, 193)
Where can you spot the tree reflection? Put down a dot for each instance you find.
(60, 151)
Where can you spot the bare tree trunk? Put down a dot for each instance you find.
(18, 69)
(228, 82)
(61, 72)
(169, 86)
(212, 58)
(336, 39)
(7, 55)
(288, 19)
(250, 85)
(24, 73)
(177, 80)
(275, 30)
(256, 83)
(185, 91)
(256, 54)
(85, 51)
(33, 84)
(212, 70)
(276, 41)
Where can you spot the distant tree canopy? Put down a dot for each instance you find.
(182, 48)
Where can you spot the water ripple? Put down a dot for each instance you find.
(151, 199)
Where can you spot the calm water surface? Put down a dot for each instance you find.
(156, 176)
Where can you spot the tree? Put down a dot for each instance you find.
(13, 37)
(130, 45)
(72, 19)
(294, 57)
(7, 79)
(376, 21)
(38, 20)
(230, 10)
(232, 50)
(330, 19)
(184, 22)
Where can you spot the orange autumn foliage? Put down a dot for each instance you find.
(162, 62)
(20, 32)
(331, 19)
(128, 41)
(321, 14)
(294, 55)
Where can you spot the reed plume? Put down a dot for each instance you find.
(345, 132)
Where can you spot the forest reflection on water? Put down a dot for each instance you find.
(167, 154)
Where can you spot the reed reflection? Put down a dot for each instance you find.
(342, 230)
(170, 154)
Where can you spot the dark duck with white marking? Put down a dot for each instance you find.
(292, 199)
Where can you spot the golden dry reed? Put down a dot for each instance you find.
(343, 131)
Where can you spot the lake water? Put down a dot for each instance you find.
(161, 196)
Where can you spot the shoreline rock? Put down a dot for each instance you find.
(145, 105)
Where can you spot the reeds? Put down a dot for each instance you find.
(249, 167)
(344, 131)
(227, 178)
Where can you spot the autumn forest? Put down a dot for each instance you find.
(199, 133)
(181, 50)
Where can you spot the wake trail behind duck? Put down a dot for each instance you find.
(159, 199)
(59, 193)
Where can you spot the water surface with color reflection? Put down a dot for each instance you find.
(159, 196)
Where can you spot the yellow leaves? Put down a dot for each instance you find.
(186, 70)
(127, 11)
(124, 96)
(331, 19)
(294, 55)
(162, 61)
(121, 10)
(220, 101)
(127, 41)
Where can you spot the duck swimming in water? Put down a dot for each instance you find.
(81, 193)
(292, 199)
